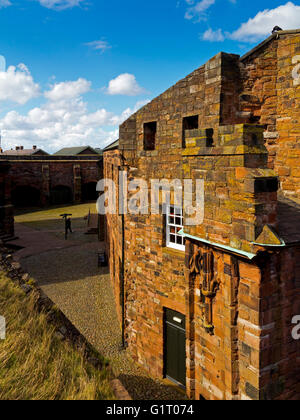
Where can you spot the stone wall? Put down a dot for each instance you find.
(6, 209)
(46, 173)
(232, 282)
(113, 231)
(270, 93)
(279, 352)
(251, 354)
(240, 191)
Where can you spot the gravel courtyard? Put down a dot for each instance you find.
(68, 274)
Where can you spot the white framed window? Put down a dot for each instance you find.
(174, 223)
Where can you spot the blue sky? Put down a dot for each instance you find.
(75, 69)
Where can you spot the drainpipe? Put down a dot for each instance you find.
(122, 271)
(123, 282)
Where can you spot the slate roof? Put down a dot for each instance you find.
(74, 151)
(24, 152)
(112, 146)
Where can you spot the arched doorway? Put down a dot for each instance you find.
(89, 192)
(61, 195)
(26, 196)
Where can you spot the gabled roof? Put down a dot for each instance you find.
(112, 146)
(24, 152)
(99, 151)
(75, 151)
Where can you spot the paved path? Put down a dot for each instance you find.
(68, 274)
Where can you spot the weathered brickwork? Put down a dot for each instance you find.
(237, 283)
(240, 191)
(6, 209)
(113, 230)
(271, 94)
(47, 173)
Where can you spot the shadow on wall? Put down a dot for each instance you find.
(25, 196)
(61, 195)
(89, 192)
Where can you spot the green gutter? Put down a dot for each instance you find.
(283, 244)
(248, 255)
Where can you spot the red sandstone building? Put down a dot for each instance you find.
(69, 176)
(211, 306)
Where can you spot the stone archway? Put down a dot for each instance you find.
(26, 196)
(89, 192)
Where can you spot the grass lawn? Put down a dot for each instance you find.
(51, 215)
(34, 363)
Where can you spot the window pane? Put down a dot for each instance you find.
(171, 220)
(174, 226)
(178, 211)
(178, 221)
(179, 240)
(173, 239)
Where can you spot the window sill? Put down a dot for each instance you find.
(173, 251)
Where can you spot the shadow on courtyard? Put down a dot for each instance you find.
(73, 262)
(72, 280)
(55, 228)
(68, 273)
(146, 388)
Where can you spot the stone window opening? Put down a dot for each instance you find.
(189, 123)
(150, 130)
(174, 223)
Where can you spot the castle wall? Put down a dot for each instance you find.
(232, 282)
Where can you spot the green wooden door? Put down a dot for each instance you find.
(175, 350)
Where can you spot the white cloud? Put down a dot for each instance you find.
(68, 90)
(60, 4)
(100, 45)
(63, 120)
(255, 29)
(2, 64)
(197, 9)
(17, 85)
(213, 36)
(125, 84)
(4, 3)
(286, 16)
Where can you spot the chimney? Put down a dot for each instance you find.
(34, 147)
